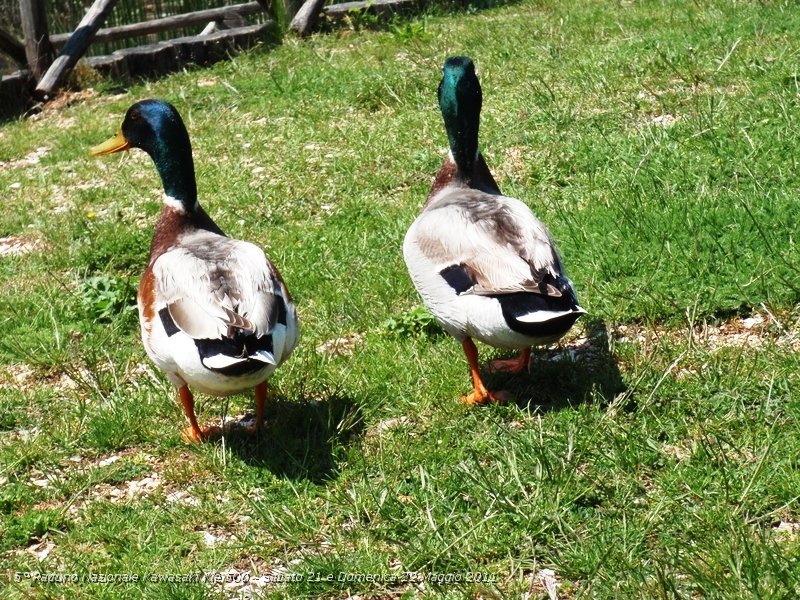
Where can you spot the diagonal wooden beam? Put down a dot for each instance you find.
(75, 47)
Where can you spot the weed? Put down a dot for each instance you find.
(24, 529)
(106, 296)
(414, 322)
(410, 32)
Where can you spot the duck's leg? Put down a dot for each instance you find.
(480, 395)
(515, 366)
(261, 398)
(193, 434)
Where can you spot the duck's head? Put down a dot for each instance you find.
(460, 100)
(156, 127)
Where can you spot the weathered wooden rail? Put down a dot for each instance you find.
(113, 34)
(174, 54)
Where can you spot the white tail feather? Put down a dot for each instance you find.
(221, 361)
(542, 316)
(264, 356)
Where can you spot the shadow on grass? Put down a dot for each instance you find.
(302, 439)
(570, 374)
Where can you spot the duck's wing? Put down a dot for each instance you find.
(226, 295)
(488, 245)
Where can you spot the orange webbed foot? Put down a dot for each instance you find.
(480, 395)
(514, 366)
(194, 434)
(191, 435)
(482, 398)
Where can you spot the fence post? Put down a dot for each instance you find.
(305, 19)
(38, 49)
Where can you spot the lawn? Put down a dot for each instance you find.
(654, 453)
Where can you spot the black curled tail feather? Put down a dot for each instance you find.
(564, 308)
(239, 346)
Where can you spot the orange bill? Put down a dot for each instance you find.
(118, 143)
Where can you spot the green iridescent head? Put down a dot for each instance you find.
(156, 127)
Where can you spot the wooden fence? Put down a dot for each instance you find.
(46, 60)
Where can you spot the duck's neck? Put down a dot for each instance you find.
(181, 209)
(181, 212)
(461, 114)
(176, 168)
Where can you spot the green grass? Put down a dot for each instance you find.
(654, 454)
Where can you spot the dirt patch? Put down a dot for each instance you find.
(391, 423)
(342, 346)
(753, 331)
(33, 157)
(786, 531)
(17, 375)
(17, 245)
(665, 120)
(65, 99)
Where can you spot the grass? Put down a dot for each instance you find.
(654, 453)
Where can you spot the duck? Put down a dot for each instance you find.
(214, 312)
(483, 264)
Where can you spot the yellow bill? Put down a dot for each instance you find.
(118, 143)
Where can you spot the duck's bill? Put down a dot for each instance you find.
(118, 143)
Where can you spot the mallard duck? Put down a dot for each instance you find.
(484, 265)
(215, 314)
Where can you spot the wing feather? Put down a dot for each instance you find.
(497, 241)
(213, 285)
